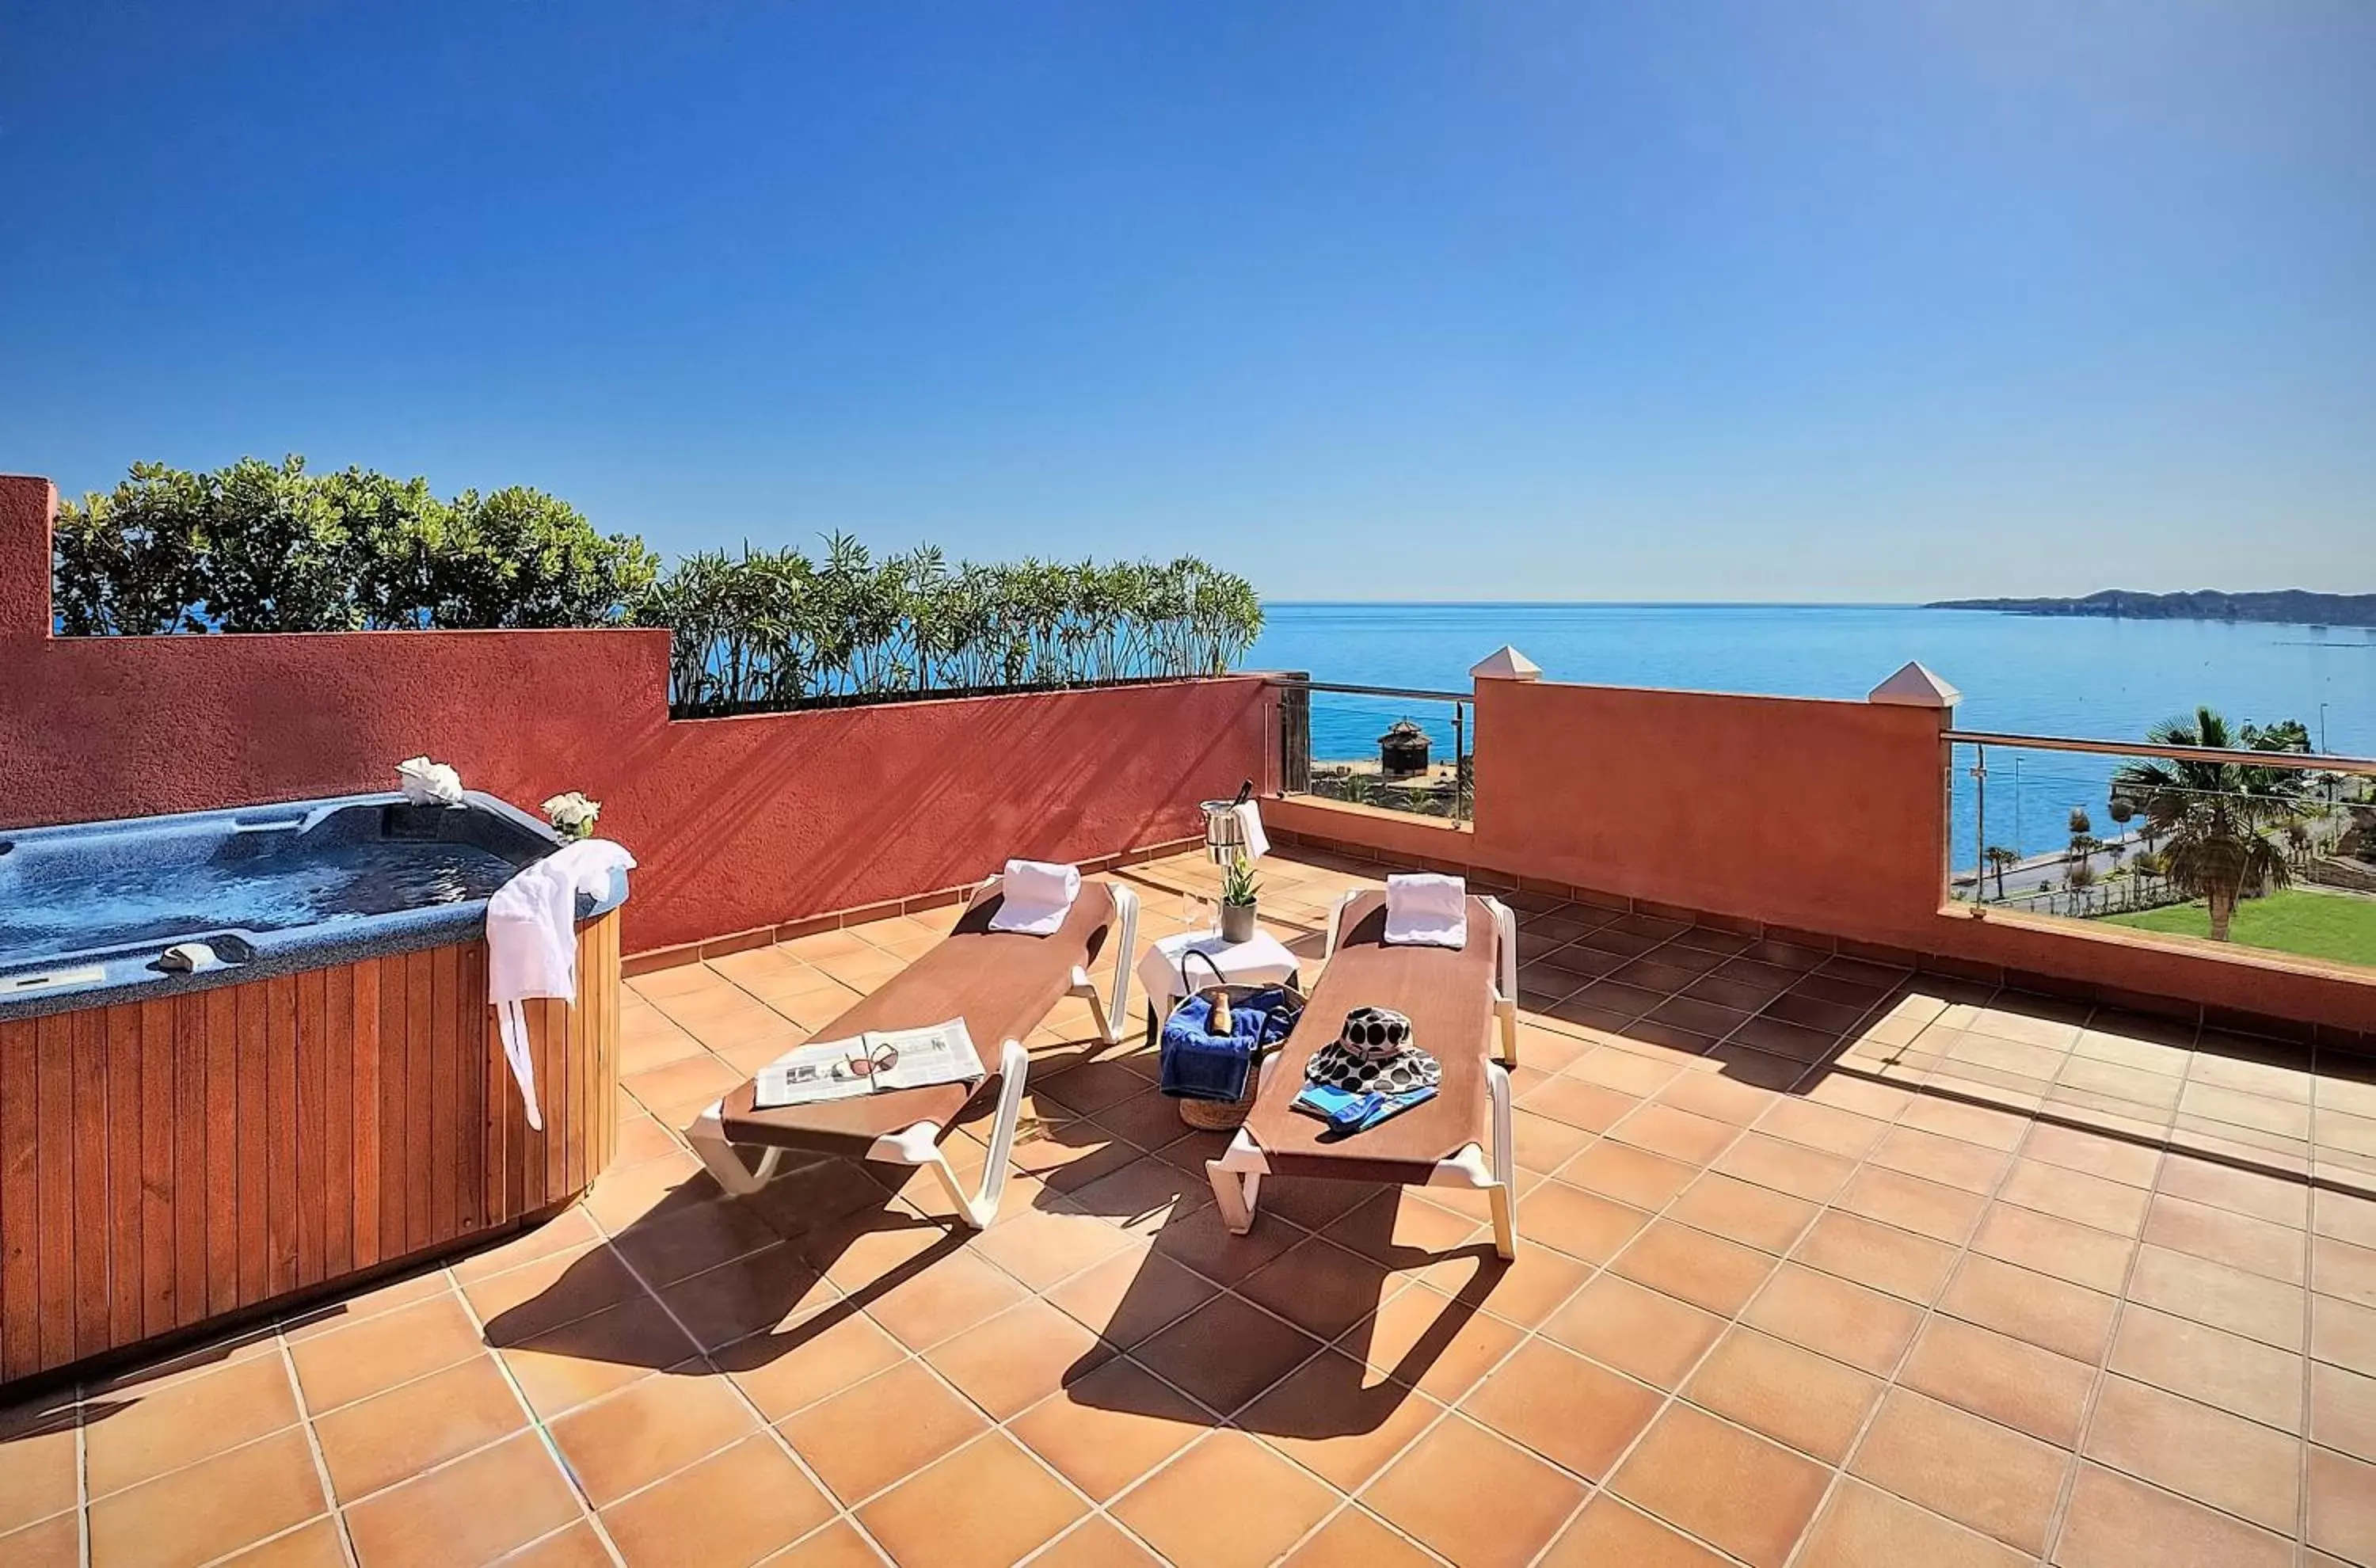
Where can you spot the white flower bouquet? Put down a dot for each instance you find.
(573, 815)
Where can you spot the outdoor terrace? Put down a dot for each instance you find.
(1823, 1261)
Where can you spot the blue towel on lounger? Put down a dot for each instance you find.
(1199, 1065)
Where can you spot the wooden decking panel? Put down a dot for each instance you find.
(166, 1162)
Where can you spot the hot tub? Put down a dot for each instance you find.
(319, 1097)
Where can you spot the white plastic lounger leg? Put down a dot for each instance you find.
(1237, 1175)
(1109, 1014)
(707, 1137)
(1336, 922)
(1506, 977)
(1237, 1182)
(1235, 1194)
(1014, 1064)
(1118, 1010)
(920, 1144)
(962, 1200)
(1505, 1220)
(1086, 989)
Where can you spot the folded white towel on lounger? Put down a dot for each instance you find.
(1425, 909)
(1035, 896)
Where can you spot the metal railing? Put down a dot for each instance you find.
(2313, 762)
(2186, 849)
(1326, 747)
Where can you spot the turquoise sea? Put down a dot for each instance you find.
(2043, 675)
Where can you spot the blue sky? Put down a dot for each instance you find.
(1889, 301)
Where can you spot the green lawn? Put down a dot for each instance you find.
(2317, 925)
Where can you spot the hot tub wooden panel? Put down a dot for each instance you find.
(170, 1162)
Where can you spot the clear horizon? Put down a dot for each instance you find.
(1863, 302)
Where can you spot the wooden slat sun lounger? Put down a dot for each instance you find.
(1457, 1002)
(1003, 984)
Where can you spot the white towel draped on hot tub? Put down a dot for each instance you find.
(532, 943)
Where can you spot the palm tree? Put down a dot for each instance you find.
(2216, 815)
(2000, 859)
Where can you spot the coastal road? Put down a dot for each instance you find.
(2024, 876)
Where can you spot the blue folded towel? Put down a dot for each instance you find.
(1199, 1065)
(1348, 1112)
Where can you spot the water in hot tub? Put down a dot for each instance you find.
(78, 907)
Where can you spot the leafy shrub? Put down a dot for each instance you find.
(258, 546)
(519, 557)
(127, 562)
(772, 628)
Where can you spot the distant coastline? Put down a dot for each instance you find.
(2293, 606)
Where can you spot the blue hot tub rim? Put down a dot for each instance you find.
(127, 972)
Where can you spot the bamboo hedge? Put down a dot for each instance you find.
(774, 629)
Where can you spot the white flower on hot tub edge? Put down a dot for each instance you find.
(427, 783)
(573, 814)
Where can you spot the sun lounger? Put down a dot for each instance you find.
(1003, 984)
(1457, 1001)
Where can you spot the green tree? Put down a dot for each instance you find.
(398, 532)
(2000, 859)
(519, 557)
(2123, 812)
(125, 560)
(2217, 815)
(265, 547)
(278, 555)
(2285, 735)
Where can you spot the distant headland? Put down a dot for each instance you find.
(2295, 606)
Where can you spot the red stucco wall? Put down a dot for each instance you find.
(1826, 816)
(738, 823)
(1820, 816)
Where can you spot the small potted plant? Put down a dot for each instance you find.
(573, 815)
(1238, 893)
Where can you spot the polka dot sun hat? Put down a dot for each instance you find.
(1374, 1054)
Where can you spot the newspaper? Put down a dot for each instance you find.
(876, 1061)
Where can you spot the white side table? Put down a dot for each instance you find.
(1259, 960)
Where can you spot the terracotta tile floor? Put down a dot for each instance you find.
(1823, 1265)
